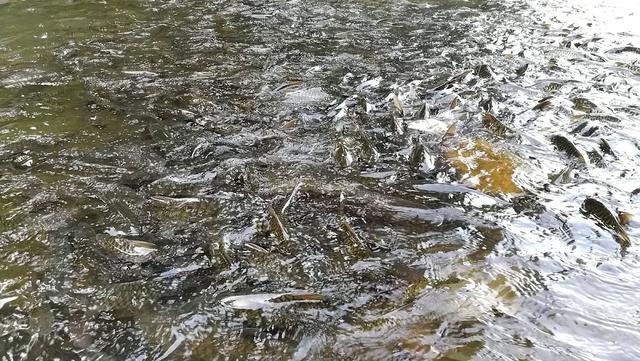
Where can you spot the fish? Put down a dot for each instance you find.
(422, 112)
(450, 133)
(552, 87)
(277, 229)
(602, 117)
(455, 102)
(262, 226)
(216, 251)
(454, 79)
(596, 209)
(606, 148)
(343, 155)
(492, 123)
(397, 108)
(305, 96)
(483, 71)
(419, 159)
(287, 86)
(522, 69)
(579, 128)
(564, 176)
(635, 191)
(368, 151)
(291, 197)
(354, 242)
(261, 301)
(633, 67)
(486, 104)
(624, 49)
(543, 104)
(126, 247)
(584, 105)
(565, 145)
(596, 158)
(399, 124)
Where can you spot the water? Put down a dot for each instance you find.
(179, 123)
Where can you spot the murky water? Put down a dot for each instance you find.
(211, 180)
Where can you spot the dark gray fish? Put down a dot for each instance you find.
(602, 117)
(552, 87)
(454, 79)
(633, 67)
(277, 229)
(492, 123)
(594, 208)
(606, 148)
(297, 297)
(635, 191)
(343, 155)
(543, 104)
(422, 112)
(419, 159)
(483, 71)
(579, 128)
(450, 133)
(357, 246)
(564, 176)
(565, 145)
(625, 49)
(455, 102)
(585, 129)
(287, 86)
(596, 158)
(398, 122)
(369, 152)
(591, 131)
(486, 104)
(522, 69)
(584, 105)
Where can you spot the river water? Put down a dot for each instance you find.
(317, 180)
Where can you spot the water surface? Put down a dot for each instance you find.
(179, 123)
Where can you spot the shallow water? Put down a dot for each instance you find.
(180, 123)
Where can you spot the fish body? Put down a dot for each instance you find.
(606, 148)
(397, 106)
(126, 247)
(492, 123)
(354, 242)
(596, 209)
(564, 176)
(422, 112)
(565, 145)
(596, 158)
(522, 69)
(369, 152)
(277, 229)
(263, 301)
(343, 155)
(543, 104)
(420, 159)
(483, 71)
(584, 105)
